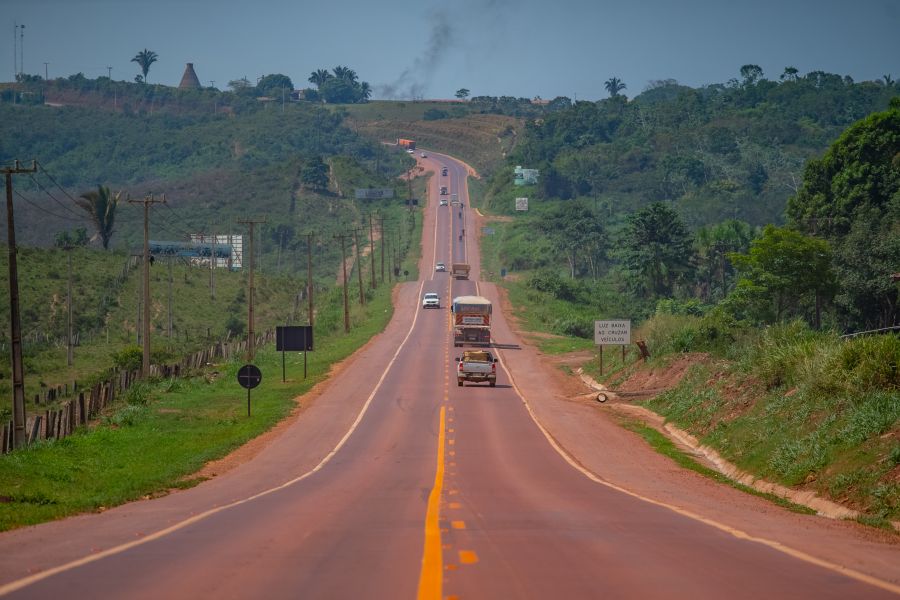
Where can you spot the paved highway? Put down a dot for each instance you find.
(396, 483)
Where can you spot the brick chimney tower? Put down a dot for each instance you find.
(189, 80)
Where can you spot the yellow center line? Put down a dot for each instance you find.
(468, 557)
(431, 576)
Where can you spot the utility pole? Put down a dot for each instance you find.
(15, 323)
(309, 279)
(251, 332)
(362, 296)
(109, 73)
(70, 351)
(372, 251)
(381, 229)
(343, 237)
(46, 76)
(169, 327)
(145, 363)
(22, 49)
(213, 263)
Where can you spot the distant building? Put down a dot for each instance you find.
(189, 81)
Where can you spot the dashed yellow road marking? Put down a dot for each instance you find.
(458, 524)
(455, 505)
(468, 557)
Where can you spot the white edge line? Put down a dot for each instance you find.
(737, 533)
(32, 579)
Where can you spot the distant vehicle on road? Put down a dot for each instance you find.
(443, 202)
(431, 300)
(477, 366)
(443, 190)
(440, 267)
(408, 144)
(444, 171)
(424, 155)
(459, 270)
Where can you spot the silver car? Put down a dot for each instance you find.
(431, 300)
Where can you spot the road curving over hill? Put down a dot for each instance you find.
(397, 483)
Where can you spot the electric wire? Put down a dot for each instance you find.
(44, 210)
(52, 197)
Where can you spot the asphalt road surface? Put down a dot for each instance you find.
(396, 483)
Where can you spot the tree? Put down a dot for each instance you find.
(144, 59)
(888, 80)
(575, 231)
(656, 250)
(751, 74)
(319, 77)
(365, 91)
(462, 93)
(851, 197)
(614, 85)
(345, 73)
(101, 208)
(315, 173)
(790, 74)
(272, 85)
(241, 85)
(784, 275)
(713, 245)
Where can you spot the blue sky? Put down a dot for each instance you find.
(429, 48)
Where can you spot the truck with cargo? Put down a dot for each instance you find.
(407, 144)
(477, 366)
(459, 271)
(471, 321)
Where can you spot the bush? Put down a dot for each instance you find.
(128, 358)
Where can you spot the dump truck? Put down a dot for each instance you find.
(408, 144)
(459, 271)
(471, 321)
(477, 366)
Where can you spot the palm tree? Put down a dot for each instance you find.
(144, 59)
(101, 207)
(365, 91)
(614, 85)
(345, 73)
(319, 77)
(790, 74)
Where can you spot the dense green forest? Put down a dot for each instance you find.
(672, 202)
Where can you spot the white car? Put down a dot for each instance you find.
(431, 300)
(443, 202)
(440, 267)
(410, 151)
(424, 155)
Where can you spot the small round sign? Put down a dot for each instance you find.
(249, 376)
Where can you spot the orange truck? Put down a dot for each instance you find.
(408, 144)
(471, 321)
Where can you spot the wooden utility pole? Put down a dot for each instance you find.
(15, 322)
(343, 237)
(251, 331)
(362, 295)
(70, 358)
(381, 230)
(169, 326)
(145, 364)
(309, 280)
(372, 251)
(213, 263)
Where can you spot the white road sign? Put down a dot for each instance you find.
(521, 203)
(612, 332)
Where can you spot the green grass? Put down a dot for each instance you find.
(664, 446)
(162, 432)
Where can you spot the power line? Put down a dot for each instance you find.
(54, 198)
(44, 210)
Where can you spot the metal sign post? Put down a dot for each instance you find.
(249, 377)
(293, 338)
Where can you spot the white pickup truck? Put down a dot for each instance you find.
(476, 365)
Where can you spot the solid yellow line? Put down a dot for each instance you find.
(431, 576)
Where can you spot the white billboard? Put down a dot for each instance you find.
(612, 333)
(521, 203)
